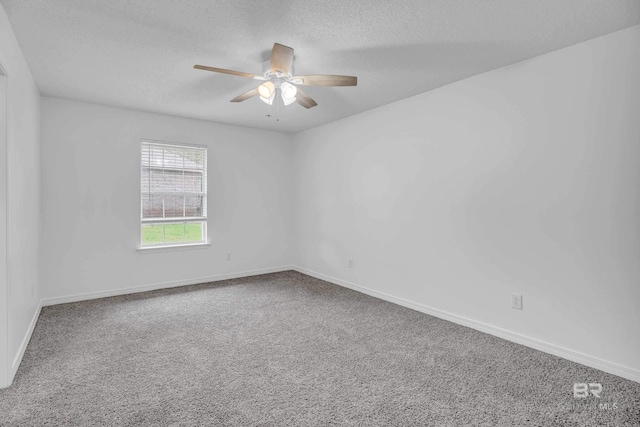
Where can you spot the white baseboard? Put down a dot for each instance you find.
(565, 353)
(162, 285)
(23, 345)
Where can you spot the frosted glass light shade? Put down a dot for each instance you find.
(288, 91)
(266, 89)
(288, 101)
(268, 100)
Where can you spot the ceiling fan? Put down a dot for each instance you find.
(277, 75)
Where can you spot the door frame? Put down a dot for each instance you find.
(5, 358)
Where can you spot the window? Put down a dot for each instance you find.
(173, 189)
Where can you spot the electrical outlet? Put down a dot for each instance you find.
(228, 256)
(516, 301)
(350, 262)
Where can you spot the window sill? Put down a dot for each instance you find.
(169, 248)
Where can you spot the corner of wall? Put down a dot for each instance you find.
(23, 197)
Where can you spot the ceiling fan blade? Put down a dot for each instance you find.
(281, 58)
(224, 71)
(325, 80)
(305, 100)
(248, 94)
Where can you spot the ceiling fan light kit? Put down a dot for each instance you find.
(266, 89)
(277, 75)
(268, 100)
(288, 92)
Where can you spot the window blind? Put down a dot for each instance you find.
(173, 190)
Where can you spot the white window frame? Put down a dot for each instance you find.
(174, 220)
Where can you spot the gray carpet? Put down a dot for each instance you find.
(286, 349)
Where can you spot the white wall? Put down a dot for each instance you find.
(20, 176)
(91, 200)
(520, 180)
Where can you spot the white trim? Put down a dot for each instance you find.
(25, 342)
(165, 248)
(177, 220)
(5, 334)
(162, 285)
(565, 353)
(9, 236)
(173, 144)
(572, 355)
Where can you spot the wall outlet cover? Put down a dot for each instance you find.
(516, 301)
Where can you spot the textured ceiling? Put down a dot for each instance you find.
(139, 54)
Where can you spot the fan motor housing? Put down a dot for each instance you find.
(270, 74)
